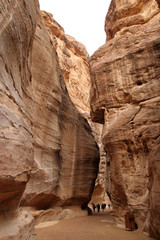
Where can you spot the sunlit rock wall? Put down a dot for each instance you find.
(47, 149)
(125, 95)
(74, 63)
(123, 16)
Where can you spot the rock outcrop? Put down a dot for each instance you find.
(125, 96)
(48, 152)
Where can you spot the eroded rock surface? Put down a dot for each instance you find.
(63, 144)
(16, 152)
(18, 227)
(125, 95)
(124, 15)
(48, 152)
(74, 63)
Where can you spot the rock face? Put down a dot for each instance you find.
(47, 149)
(16, 152)
(125, 96)
(64, 148)
(125, 15)
(74, 63)
(19, 227)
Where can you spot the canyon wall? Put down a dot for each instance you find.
(125, 96)
(63, 142)
(17, 28)
(74, 64)
(48, 152)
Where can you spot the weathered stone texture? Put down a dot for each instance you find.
(73, 59)
(47, 149)
(16, 152)
(19, 227)
(123, 15)
(64, 148)
(125, 75)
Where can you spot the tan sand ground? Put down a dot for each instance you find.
(95, 227)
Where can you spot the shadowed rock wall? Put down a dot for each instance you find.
(125, 95)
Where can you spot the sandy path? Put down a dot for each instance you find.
(95, 227)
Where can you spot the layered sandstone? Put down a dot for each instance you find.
(74, 63)
(123, 15)
(48, 152)
(125, 75)
(16, 152)
(64, 148)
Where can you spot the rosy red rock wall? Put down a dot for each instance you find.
(125, 75)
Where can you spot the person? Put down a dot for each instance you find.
(93, 206)
(103, 206)
(98, 207)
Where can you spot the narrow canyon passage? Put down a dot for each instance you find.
(99, 226)
(78, 129)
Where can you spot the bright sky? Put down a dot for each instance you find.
(81, 19)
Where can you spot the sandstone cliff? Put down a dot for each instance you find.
(47, 152)
(16, 151)
(125, 96)
(74, 63)
(63, 144)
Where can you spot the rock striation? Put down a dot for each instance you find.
(74, 63)
(125, 96)
(48, 152)
(60, 157)
(16, 152)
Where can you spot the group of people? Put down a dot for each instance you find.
(103, 206)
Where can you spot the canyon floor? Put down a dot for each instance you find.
(98, 226)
